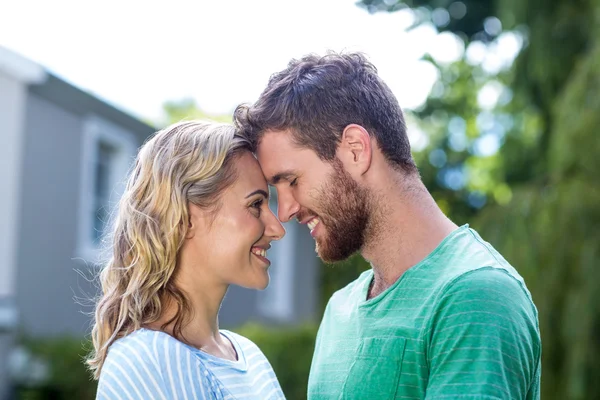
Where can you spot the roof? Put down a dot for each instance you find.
(49, 86)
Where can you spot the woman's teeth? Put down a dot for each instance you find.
(312, 223)
(259, 251)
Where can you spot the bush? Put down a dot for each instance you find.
(63, 372)
(289, 350)
(65, 377)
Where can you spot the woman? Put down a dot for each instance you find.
(193, 220)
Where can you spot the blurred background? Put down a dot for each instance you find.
(502, 100)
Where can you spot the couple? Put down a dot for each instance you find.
(440, 315)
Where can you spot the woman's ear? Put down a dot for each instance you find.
(194, 215)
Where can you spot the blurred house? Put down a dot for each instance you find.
(63, 156)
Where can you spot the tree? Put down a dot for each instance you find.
(548, 226)
(177, 110)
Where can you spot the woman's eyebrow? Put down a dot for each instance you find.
(259, 191)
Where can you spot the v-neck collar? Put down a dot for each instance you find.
(240, 364)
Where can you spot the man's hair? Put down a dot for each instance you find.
(316, 97)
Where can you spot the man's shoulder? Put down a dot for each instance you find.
(487, 278)
(478, 265)
(470, 258)
(488, 292)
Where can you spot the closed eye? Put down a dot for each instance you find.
(294, 182)
(257, 205)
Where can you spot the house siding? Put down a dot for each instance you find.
(12, 103)
(47, 281)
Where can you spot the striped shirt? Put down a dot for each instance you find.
(150, 364)
(459, 324)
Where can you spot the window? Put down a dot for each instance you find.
(105, 163)
(276, 301)
(107, 152)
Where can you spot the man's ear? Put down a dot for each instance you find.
(355, 150)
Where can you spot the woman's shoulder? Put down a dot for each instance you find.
(147, 347)
(138, 347)
(142, 339)
(131, 366)
(152, 364)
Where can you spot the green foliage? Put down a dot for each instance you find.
(543, 197)
(289, 350)
(464, 17)
(550, 228)
(574, 146)
(551, 236)
(67, 376)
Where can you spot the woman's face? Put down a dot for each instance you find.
(231, 246)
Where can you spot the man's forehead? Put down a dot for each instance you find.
(274, 151)
(277, 163)
(275, 138)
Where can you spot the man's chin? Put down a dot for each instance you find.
(322, 254)
(328, 256)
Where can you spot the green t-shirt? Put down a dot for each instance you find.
(460, 324)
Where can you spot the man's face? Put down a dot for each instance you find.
(320, 194)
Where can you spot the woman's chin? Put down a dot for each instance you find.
(264, 284)
(258, 283)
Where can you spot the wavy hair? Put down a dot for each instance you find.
(186, 162)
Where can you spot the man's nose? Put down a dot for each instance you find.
(287, 206)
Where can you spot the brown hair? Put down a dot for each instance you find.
(315, 98)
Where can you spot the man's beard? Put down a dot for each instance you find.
(344, 211)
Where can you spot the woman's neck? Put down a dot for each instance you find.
(200, 328)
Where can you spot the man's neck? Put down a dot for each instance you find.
(406, 228)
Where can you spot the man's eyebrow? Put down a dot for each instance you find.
(284, 175)
(259, 191)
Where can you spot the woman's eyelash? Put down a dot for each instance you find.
(257, 204)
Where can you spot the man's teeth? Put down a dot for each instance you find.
(259, 252)
(312, 223)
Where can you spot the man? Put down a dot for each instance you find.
(441, 314)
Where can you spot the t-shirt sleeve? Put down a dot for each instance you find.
(153, 370)
(483, 339)
(130, 374)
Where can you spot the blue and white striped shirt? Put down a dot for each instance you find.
(150, 364)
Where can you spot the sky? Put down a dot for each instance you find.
(138, 54)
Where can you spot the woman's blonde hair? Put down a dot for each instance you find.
(185, 162)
